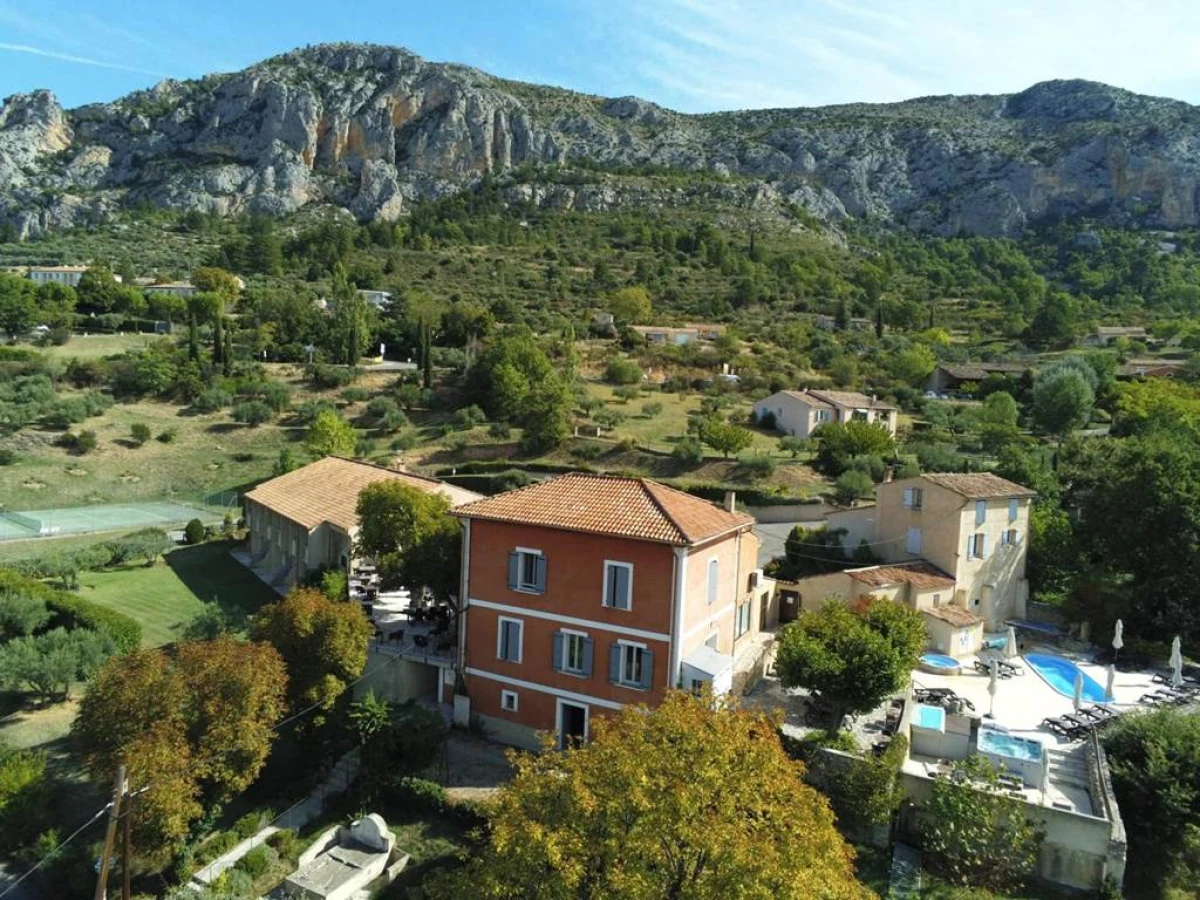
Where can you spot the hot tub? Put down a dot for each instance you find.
(940, 664)
(1020, 756)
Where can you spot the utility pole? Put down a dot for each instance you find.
(110, 833)
(126, 843)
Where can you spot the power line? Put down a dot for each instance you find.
(45, 859)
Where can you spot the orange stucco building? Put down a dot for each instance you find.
(588, 592)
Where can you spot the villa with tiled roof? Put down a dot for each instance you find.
(584, 593)
(800, 413)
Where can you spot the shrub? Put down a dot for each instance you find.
(212, 400)
(234, 883)
(258, 861)
(470, 416)
(756, 465)
(335, 585)
(326, 377)
(688, 452)
(609, 418)
(252, 413)
(500, 431)
(766, 420)
(421, 795)
(852, 485)
(622, 371)
(626, 393)
(139, 433)
(167, 436)
(193, 532)
(285, 842)
(71, 611)
(7, 456)
(275, 394)
(587, 450)
(78, 444)
(650, 410)
(355, 395)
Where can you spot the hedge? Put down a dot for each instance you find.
(71, 611)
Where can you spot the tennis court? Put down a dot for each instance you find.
(25, 524)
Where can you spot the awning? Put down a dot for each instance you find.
(705, 664)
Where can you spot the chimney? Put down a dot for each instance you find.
(730, 501)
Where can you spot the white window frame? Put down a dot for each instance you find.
(977, 545)
(500, 622)
(622, 675)
(604, 597)
(713, 585)
(506, 697)
(1010, 538)
(568, 634)
(523, 586)
(914, 498)
(911, 545)
(746, 609)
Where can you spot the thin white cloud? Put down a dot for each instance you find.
(711, 54)
(82, 60)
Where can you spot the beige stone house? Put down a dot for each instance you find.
(800, 413)
(306, 520)
(954, 547)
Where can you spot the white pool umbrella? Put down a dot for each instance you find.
(1078, 698)
(993, 681)
(1109, 696)
(1118, 637)
(1176, 662)
(1010, 648)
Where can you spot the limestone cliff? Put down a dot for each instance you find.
(372, 128)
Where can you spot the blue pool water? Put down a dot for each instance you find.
(939, 661)
(1001, 743)
(1060, 673)
(929, 717)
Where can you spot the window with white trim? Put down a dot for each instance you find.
(980, 512)
(912, 541)
(741, 623)
(1010, 538)
(508, 639)
(913, 498)
(631, 665)
(508, 701)
(572, 653)
(714, 575)
(977, 546)
(618, 584)
(527, 571)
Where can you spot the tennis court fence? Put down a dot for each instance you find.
(16, 525)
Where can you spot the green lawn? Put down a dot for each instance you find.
(165, 597)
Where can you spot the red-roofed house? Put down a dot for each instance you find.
(587, 592)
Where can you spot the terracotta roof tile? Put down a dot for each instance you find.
(978, 485)
(851, 398)
(327, 491)
(606, 504)
(955, 615)
(922, 576)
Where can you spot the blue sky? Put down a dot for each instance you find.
(693, 55)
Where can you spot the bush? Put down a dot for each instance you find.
(71, 612)
(627, 393)
(79, 444)
(327, 377)
(355, 395)
(588, 450)
(193, 532)
(622, 371)
(139, 433)
(257, 861)
(212, 400)
(756, 465)
(852, 485)
(285, 842)
(275, 394)
(421, 795)
(335, 585)
(7, 456)
(252, 413)
(688, 452)
(469, 417)
(500, 431)
(766, 420)
(939, 458)
(650, 410)
(168, 435)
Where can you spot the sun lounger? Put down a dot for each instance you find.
(1011, 668)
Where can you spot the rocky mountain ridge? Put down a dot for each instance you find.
(373, 128)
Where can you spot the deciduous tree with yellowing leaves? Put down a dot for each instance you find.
(694, 799)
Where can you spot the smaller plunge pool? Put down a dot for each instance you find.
(940, 664)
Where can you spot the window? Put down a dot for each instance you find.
(742, 621)
(618, 585)
(1010, 538)
(937, 600)
(1013, 508)
(508, 639)
(975, 602)
(714, 573)
(631, 665)
(977, 546)
(912, 541)
(980, 511)
(527, 571)
(698, 685)
(573, 653)
(913, 498)
(508, 701)
(823, 415)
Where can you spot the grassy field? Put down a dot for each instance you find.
(94, 346)
(165, 597)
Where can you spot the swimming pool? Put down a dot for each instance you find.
(940, 664)
(932, 717)
(1001, 743)
(1060, 674)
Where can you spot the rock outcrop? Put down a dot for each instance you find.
(373, 128)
